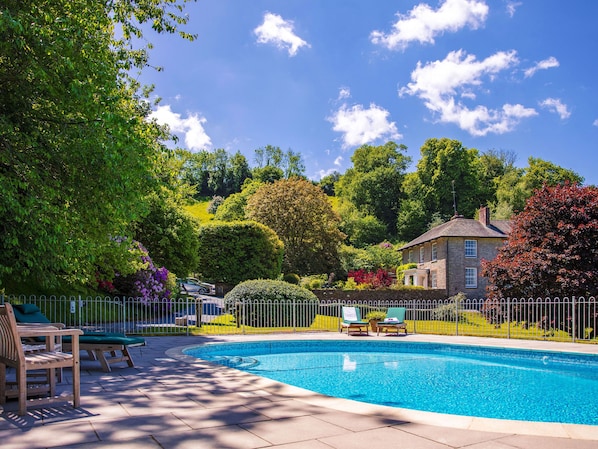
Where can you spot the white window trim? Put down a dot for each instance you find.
(475, 277)
(434, 252)
(422, 255)
(475, 249)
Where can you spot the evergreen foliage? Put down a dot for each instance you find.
(237, 251)
(300, 310)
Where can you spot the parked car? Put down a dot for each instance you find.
(192, 286)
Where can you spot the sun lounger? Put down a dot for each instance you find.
(351, 320)
(394, 321)
(101, 346)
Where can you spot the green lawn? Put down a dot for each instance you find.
(474, 325)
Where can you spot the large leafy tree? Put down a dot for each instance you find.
(447, 180)
(551, 250)
(374, 182)
(516, 185)
(77, 153)
(302, 217)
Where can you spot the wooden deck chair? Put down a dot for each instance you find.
(351, 320)
(106, 347)
(13, 354)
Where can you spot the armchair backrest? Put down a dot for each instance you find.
(11, 349)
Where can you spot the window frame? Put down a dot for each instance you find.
(434, 252)
(422, 254)
(471, 251)
(468, 273)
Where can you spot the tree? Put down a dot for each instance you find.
(551, 250)
(238, 251)
(301, 215)
(445, 166)
(328, 183)
(374, 182)
(214, 172)
(233, 207)
(170, 236)
(515, 186)
(77, 153)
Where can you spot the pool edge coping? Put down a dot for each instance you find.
(534, 428)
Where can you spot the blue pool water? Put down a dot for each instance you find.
(462, 380)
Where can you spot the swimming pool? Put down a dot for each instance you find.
(478, 381)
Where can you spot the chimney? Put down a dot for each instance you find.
(485, 216)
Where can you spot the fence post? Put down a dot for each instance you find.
(414, 312)
(573, 319)
(508, 318)
(456, 317)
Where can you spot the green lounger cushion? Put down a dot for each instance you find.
(30, 313)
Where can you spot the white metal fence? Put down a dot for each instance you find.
(566, 319)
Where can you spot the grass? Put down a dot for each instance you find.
(199, 210)
(473, 325)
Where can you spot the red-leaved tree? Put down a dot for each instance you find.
(552, 250)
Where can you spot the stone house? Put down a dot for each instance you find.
(449, 256)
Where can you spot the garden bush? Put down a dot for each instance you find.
(233, 252)
(251, 302)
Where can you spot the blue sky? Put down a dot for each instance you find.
(323, 77)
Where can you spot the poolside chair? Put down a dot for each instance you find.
(13, 354)
(101, 346)
(394, 321)
(351, 320)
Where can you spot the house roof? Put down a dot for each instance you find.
(464, 227)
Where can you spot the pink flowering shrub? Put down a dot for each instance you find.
(370, 279)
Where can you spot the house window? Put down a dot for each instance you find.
(410, 256)
(471, 248)
(434, 252)
(471, 277)
(434, 279)
(421, 255)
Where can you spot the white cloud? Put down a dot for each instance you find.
(440, 83)
(338, 161)
(324, 173)
(423, 23)
(542, 65)
(277, 31)
(555, 105)
(595, 122)
(343, 93)
(360, 126)
(512, 6)
(191, 126)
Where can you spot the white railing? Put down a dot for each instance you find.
(566, 319)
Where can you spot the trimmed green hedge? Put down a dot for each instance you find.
(236, 251)
(270, 303)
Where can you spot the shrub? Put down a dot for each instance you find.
(369, 279)
(237, 251)
(291, 278)
(215, 203)
(401, 271)
(448, 312)
(252, 303)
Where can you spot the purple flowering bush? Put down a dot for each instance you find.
(148, 283)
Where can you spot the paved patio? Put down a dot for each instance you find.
(168, 401)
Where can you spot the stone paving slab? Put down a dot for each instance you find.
(169, 402)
